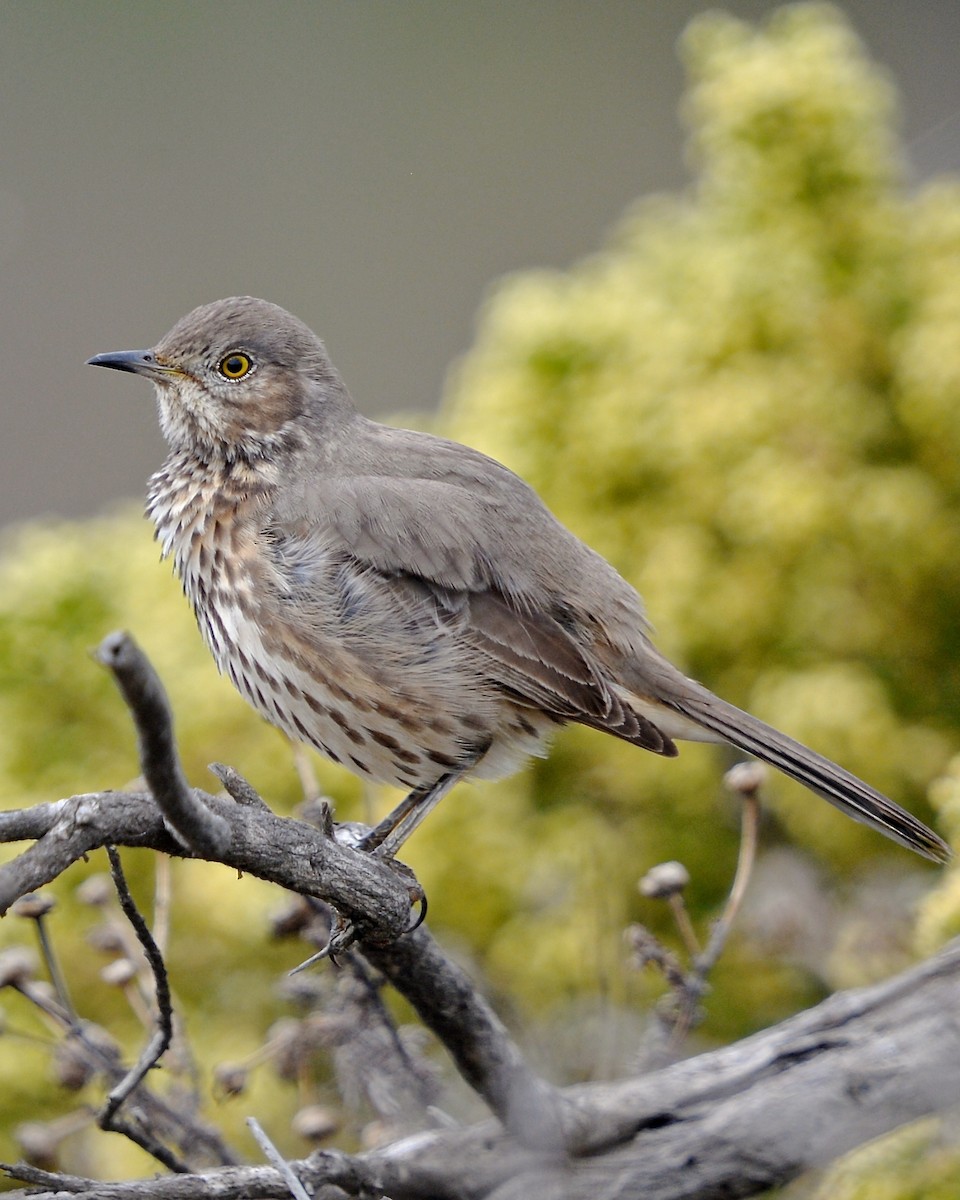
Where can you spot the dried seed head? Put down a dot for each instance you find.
(102, 1041)
(39, 1144)
(32, 905)
(95, 891)
(664, 880)
(315, 1122)
(288, 1047)
(106, 938)
(118, 973)
(746, 778)
(18, 966)
(72, 1067)
(230, 1078)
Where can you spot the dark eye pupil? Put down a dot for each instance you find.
(234, 364)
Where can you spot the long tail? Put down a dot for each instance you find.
(850, 794)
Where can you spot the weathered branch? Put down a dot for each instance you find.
(485, 1054)
(739, 1120)
(730, 1123)
(282, 850)
(370, 891)
(294, 855)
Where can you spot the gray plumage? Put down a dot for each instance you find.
(404, 603)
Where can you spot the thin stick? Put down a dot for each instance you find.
(159, 1043)
(749, 826)
(201, 829)
(273, 1155)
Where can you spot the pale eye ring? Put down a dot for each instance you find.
(235, 365)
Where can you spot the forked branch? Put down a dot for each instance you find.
(734, 1122)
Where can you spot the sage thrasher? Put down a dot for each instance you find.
(403, 603)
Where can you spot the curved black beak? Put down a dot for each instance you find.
(140, 362)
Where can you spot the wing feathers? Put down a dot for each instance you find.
(540, 662)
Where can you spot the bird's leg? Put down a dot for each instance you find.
(387, 838)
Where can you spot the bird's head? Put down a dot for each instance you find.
(234, 378)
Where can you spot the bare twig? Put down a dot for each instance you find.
(36, 908)
(101, 1055)
(158, 1044)
(681, 915)
(273, 1155)
(750, 825)
(162, 899)
(201, 829)
(667, 881)
(236, 786)
(326, 1174)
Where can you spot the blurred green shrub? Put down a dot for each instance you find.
(748, 402)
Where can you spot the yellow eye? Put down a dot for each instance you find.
(234, 366)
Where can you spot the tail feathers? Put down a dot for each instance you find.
(850, 794)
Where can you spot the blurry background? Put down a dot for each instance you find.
(372, 167)
(747, 396)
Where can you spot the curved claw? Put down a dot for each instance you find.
(418, 897)
(420, 901)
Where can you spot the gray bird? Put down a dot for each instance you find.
(402, 603)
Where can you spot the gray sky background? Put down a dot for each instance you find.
(372, 165)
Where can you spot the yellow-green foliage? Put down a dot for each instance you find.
(745, 401)
(916, 1163)
(63, 586)
(63, 730)
(750, 402)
